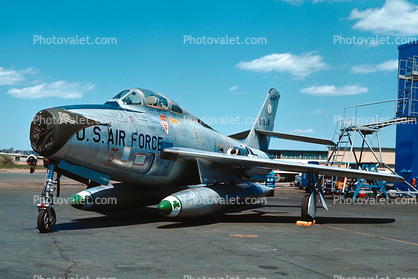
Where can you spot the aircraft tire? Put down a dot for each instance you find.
(46, 223)
(304, 209)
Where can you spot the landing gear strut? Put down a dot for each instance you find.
(46, 213)
(308, 208)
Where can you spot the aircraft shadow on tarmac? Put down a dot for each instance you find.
(250, 214)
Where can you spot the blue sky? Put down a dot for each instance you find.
(316, 75)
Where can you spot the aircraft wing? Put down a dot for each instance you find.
(226, 160)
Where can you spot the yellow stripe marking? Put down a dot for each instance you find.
(243, 235)
(376, 236)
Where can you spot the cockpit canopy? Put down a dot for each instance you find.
(152, 99)
(138, 97)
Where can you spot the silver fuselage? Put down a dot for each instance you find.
(128, 144)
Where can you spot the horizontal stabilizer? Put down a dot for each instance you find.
(296, 137)
(244, 134)
(240, 135)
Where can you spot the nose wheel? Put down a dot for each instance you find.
(46, 219)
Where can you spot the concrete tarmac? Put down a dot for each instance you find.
(350, 241)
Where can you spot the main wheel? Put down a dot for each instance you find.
(46, 220)
(304, 209)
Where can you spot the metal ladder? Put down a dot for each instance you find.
(344, 146)
(408, 78)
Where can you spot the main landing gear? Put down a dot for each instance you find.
(304, 209)
(308, 207)
(46, 213)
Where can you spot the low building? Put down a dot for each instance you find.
(366, 156)
(20, 159)
(312, 155)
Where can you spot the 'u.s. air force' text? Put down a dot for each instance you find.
(120, 137)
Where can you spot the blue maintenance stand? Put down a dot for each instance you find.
(379, 185)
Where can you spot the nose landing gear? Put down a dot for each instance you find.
(46, 213)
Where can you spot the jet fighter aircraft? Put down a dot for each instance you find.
(159, 153)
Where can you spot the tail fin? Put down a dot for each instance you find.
(265, 121)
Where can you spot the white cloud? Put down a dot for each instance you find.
(332, 90)
(61, 89)
(390, 65)
(11, 77)
(300, 131)
(318, 111)
(234, 88)
(373, 43)
(298, 66)
(396, 17)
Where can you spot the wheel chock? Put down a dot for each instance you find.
(305, 223)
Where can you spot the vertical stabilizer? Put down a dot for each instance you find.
(264, 121)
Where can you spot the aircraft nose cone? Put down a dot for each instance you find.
(170, 206)
(51, 129)
(82, 200)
